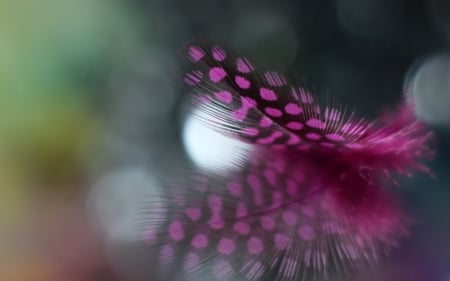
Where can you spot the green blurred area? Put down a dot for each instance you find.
(53, 58)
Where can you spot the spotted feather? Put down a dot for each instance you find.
(312, 200)
(261, 106)
(274, 221)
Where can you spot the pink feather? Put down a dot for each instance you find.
(312, 199)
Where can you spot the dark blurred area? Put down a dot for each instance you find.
(93, 116)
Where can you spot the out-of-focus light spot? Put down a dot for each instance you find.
(430, 89)
(440, 15)
(195, 10)
(268, 36)
(143, 94)
(115, 201)
(447, 278)
(372, 20)
(209, 149)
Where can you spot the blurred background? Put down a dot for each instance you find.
(93, 116)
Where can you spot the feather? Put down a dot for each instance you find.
(311, 200)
